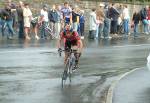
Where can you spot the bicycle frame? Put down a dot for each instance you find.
(70, 61)
(68, 66)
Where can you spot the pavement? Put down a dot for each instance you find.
(132, 87)
(19, 83)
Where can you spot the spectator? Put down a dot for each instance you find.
(82, 23)
(27, 15)
(3, 21)
(13, 10)
(43, 21)
(52, 15)
(107, 21)
(113, 14)
(126, 19)
(58, 20)
(20, 20)
(9, 21)
(135, 20)
(35, 26)
(144, 20)
(148, 18)
(100, 16)
(120, 25)
(67, 13)
(120, 10)
(92, 24)
(74, 18)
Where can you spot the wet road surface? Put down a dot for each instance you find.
(133, 88)
(30, 71)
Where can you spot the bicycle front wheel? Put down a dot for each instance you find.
(62, 80)
(64, 77)
(69, 70)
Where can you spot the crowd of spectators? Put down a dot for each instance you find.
(47, 23)
(117, 20)
(106, 19)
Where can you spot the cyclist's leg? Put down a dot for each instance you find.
(77, 55)
(76, 58)
(67, 48)
(66, 56)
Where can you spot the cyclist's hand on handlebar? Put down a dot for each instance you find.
(59, 49)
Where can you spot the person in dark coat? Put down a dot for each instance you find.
(8, 16)
(144, 15)
(20, 20)
(113, 14)
(135, 19)
(82, 23)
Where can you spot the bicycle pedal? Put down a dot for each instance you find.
(74, 69)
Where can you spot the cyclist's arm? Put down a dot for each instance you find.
(79, 41)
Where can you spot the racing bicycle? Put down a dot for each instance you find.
(69, 66)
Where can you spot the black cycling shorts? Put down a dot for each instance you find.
(69, 43)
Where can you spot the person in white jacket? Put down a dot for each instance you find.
(27, 15)
(92, 24)
(126, 19)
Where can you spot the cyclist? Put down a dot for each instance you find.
(71, 41)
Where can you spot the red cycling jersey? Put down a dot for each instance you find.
(74, 36)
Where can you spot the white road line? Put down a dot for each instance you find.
(109, 98)
(132, 45)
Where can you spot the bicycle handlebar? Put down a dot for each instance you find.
(70, 50)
